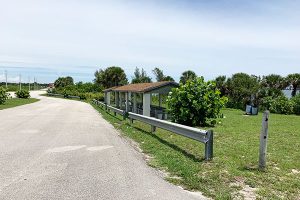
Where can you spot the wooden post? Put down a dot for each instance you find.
(263, 141)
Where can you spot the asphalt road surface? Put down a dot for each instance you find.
(62, 149)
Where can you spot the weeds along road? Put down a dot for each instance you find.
(63, 149)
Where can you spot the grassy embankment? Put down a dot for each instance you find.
(233, 171)
(17, 102)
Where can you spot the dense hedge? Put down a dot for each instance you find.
(263, 92)
(282, 105)
(82, 95)
(3, 95)
(296, 101)
(23, 94)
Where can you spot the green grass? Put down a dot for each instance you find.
(236, 146)
(17, 102)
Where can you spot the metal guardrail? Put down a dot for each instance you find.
(56, 95)
(73, 97)
(61, 95)
(204, 136)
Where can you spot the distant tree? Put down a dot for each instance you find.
(159, 75)
(221, 85)
(140, 76)
(168, 78)
(241, 87)
(87, 87)
(271, 86)
(110, 77)
(63, 82)
(294, 80)
(187, 75)
(273, 81)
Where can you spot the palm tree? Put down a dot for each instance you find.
(221, 84)
(294, 80)
(273, 81)
(187, 75)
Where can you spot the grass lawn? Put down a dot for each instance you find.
(17, 102)
(233, 172)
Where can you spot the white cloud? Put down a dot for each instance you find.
(10, 79)
(62, 35)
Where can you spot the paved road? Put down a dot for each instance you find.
(61, 149)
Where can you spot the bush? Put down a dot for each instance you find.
(3, 95)
(98, 96)
(195, 103)
(82, 96)
(24, 94)
(296, 101)
(279, 105)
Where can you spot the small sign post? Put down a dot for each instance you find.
(263, 141)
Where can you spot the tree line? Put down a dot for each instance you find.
(115, 76)
(240, 89)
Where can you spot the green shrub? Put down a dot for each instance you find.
(296, 100)
(279, 105)
(3, 95)
(266, 103)
(195, 103)
(66, 93)
(24, 94)
(82, 96)
(98, 96)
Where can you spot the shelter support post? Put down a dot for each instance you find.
(127, 101)
(117, 99)
(134, 102)
(120, 100)
(159, 100)
(108, 98)
(146, 104)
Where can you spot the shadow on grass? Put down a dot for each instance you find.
(173, 146)
(250, 168)
(113, 115)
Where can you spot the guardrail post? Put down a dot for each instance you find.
(124, 115)
(209, 145)
(153, 129)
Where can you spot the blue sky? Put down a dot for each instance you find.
(47, 39)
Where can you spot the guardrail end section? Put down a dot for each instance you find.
(209, 145)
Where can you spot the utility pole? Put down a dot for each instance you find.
(20, 81)
(6, 79)
(29, 83)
